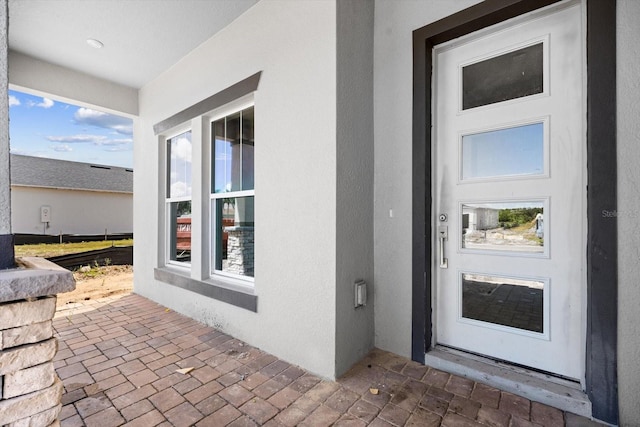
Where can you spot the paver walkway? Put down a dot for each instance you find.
(118, 359)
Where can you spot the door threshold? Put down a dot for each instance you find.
(556, 392)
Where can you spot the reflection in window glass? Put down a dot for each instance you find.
(512, 151)
(233, 152)
(516, 227)
(517, 303)
(232, 195)
(234, 235)
(179, 166)
(512, 75)
(247, 149)
(178, 198)
(180, 231)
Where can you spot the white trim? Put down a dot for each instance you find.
(177, 132)
(230, 108)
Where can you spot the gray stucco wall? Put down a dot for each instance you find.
(5, 189)
(628, 93)
(393, 61)
(42, 77)
(354, 183)
(294, 45)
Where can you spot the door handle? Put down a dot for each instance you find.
(443, 234)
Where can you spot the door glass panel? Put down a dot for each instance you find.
(514, 151)
(516, 227)
(513, 75)
(517, 303)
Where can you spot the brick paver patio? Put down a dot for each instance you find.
(118, 359)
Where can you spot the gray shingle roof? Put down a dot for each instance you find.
(52, 173)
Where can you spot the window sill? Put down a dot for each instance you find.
(211, 288)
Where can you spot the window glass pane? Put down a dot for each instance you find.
(234, 235)
(505, 152)
(234, 160)
(510, 227)
(180, 231)
(247, 149)
(509, 76)
(233, 152)
(179, 166)
(227, 154)
(517, 303)
(221, 176)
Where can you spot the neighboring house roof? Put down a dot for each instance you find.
(51, 173)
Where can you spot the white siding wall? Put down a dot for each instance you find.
(72, 211)
(294, 44)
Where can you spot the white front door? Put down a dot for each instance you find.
(510, 191)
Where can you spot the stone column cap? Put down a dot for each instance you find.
(34, 277)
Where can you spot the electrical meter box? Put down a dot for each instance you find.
(45, 213)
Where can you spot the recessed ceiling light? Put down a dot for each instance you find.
(95, 43)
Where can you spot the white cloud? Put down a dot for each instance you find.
(117, 148)
(181, 150)
(122, 141)
(62, 148)
(87, 116)
(79, 138)
(29, 153)
(13, 101)
(179, 189)
(46, 103)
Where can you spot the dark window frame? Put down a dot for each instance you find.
(602, 251)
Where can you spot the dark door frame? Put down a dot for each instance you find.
(602, 250)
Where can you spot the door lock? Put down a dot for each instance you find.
(442, 217)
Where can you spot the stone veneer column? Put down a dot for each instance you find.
(240, 250)
(30, 390)
(6, 238)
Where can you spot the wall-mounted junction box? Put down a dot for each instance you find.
(360, 294)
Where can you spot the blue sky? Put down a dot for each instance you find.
(44, 127)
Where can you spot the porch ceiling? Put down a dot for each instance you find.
(142, 38)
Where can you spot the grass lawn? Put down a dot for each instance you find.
(54, 249)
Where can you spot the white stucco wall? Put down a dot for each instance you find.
(293, 44)
(72, 211)
(354, 208)
(628, 112)
(393, 80)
